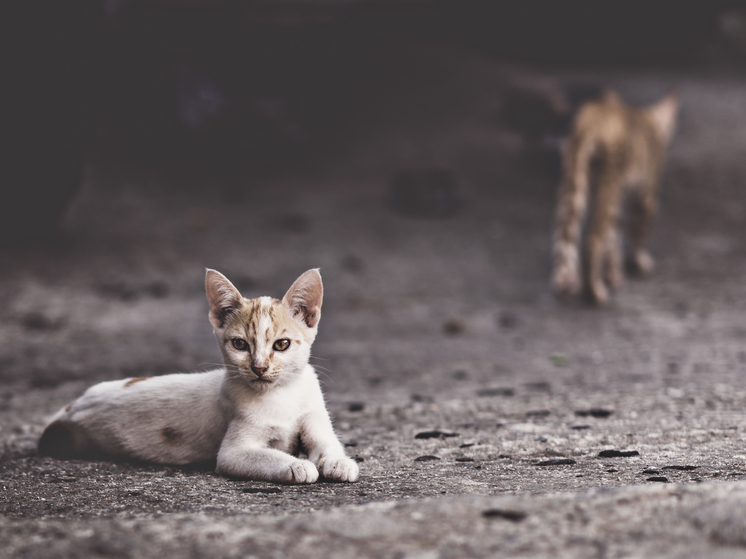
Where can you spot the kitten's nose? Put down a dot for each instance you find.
(259, 371)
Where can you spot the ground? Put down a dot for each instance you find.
(428, 324)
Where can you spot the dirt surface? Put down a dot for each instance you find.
(428, 325)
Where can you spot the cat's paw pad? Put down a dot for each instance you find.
(342, 469)
(302, 471)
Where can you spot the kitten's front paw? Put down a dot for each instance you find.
(598, 293)
(566, 282)
(643, 263)
(343, 469)
(302, 471)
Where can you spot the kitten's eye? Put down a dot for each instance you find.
(281, 345)
(239, 344)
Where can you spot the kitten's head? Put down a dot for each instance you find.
(663, 116)
(265, 341)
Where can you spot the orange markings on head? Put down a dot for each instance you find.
(132, 381)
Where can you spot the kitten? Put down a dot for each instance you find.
(254, 416)
(616, 150)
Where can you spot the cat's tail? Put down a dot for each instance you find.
(572, 206)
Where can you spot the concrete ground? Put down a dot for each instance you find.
(428, 325)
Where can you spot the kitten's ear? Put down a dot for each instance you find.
(223, 297)
(304, 298)
(663, 115)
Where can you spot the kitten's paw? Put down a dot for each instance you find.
(598, 293)
(615, 277)
(566, 282)
(302, 471)
(343, 469)
(566, 270)
(643, 263)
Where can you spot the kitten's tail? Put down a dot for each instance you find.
(571, 209)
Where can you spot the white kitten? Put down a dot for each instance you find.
(254, 416)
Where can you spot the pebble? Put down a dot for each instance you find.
(507, 320)
(580, 427)
(617, 453)
(262, 490)
(426, 458)
(594, 412)
(496, 392)
(680, 468)
(659, 479)
(355, 406)
(454, 326)
(556, 462)
(434, 434)
(512, 515)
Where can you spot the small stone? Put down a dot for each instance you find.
(540, 386)
(511, 515)
(464, 459)
(262, 490)
(680, 468)
(486, 392)
(556, 462)
(355, 406)
(435, 434)
(454, 326)
(580, 427)
(358, 459)
(611, 471)
(421, 398)
(659, 479)
(617, 453)
(594, 412)
(426, 458)
(538, 413)
(651, 471)
(507, 320)
(351, 443)
(466, 445)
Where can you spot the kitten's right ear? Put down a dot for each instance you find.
(223, 297)
(663, 114)
(304, 298)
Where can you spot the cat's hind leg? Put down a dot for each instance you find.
(602, 246)
(614, 264)
(642, 212)
(571, 207)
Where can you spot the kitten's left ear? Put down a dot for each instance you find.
(663, 114)
(304, 298)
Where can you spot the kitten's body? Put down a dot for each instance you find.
(623, 149)
(252, 417)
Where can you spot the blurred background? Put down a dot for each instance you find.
(410, 148)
